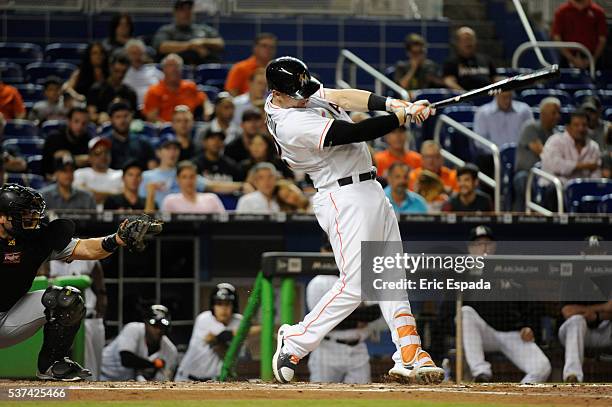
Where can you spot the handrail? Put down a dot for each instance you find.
(532, 39)
(495, 182)
(554, 44)
(530, 205)
(379, 78)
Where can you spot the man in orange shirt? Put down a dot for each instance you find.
(264, 49)
(432, 161)
(396, 151)
(11, 103)
(161, 99)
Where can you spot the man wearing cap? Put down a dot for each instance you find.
(469, 198)
(418, 71)
(212, 163)
(61, 194)
(127, 146)
(598, 128)
(99, 179)
(252, 122)
(196, 43)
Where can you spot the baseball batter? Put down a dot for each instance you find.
(313, 133)
(27, 240)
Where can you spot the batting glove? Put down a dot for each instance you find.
(419, 111)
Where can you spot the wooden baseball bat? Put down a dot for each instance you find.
(513, 83)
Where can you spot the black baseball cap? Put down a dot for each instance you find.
(131, 164)
(181, 3)
(60, 163)
(118, 106)
(481, 231)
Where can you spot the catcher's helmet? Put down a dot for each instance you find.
(23, 206)
(158, 315)
(224, 292)
(290, 76)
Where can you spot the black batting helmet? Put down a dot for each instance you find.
(158, 315)
(224, 292)
(290, 76)
(23, 206)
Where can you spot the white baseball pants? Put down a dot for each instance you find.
(23, 320)
(94, 345)
(334, 362)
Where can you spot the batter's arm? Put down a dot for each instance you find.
(354, 100)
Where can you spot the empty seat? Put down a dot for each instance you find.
(65, 52)
(533, 97)
(20, 128)
(574, 76)
(509, 72)
(50, 126)
(27, 180)
(35, 164)
(589, 204)
(211, 91)
(604, 95)
(166, 129)
(462, 113)
(577, 188)
(37, 72)
(20, 52)
(11, 72)
(31, 93)
(605, 205)
(434, 95)
(212, 74)
(26, 146)
(604, 79)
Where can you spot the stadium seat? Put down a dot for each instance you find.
(589, 204)
(453, 141)
(608, 114)
(26, 146)
(577, 188)
(20, 128)
(35, 164)
(605, 205)
(37, 72)
(166, 129)
(507, 154)
(21, 53)
(604, 95)
(434, 95)
(31, 93)
(27, 180)
(105, 129)
(149, 130)
(604, 79)
(50, 126)
(11, 72)
(65, 52)
(211, 91)
(573, 76)
(533, 97)
(566, 111)
(509, 72)
(212, 74)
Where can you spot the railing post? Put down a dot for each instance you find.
(267, 329)
(287, 296)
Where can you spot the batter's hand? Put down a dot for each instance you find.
(420, 111)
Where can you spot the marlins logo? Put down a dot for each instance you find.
(304, 79)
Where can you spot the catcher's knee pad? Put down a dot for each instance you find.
(63, 305)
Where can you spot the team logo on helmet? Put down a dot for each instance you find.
(304, 79)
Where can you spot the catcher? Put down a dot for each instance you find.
(27, 240)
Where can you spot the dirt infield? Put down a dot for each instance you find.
(545, 394)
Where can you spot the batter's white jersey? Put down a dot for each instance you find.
(132, 339)
(200, 360)
(299, 135)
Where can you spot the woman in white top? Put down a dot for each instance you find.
(189, 200)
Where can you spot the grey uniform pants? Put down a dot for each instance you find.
(23, 320)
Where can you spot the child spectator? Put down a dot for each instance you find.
(52, 108)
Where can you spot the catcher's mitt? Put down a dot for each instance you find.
(134, 231)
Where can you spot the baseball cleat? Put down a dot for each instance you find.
(423, 371)
(571, 379)
(283, 364)
(482, 378)
(66, 371)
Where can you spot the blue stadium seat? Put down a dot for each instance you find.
(434, 95)
(26, 146)
(604, 95)
(166, 129)
(65, 52)
(507, 154)
(608, 114)
(105, 129)
(20, 52)
(20, 128)
(27, 180)
(230, 201)
(37, 72)
(566, 111)
(462, 113)
(509, 72)
(31, 93)
(604, 79)
(148, 130)
(589, 204)
(11, 72)
(533, 97)
(453, 141)
(211, 91)
(574, 76)
(577, 188)
(35, 164)
(212, 74)
(51, 126)
(605, 205)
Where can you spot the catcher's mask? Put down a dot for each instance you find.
(24, 207)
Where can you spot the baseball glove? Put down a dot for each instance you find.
(134, 231)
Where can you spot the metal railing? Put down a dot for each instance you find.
(356, 62)
(533, 206)
(495, 182)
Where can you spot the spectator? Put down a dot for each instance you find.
(11, 102)
(418, 72)
(290, 197)
(101, 95)
(195, 43)
(432, 161)
(222, 121)
(264, 50)
(120, 31)
(141, 75)
(161, 99)
(93, 69)
(213, 164)
(598, 128)
(98, 179)
(61, 194)
(127, 146)
(238, 149)
(129, 199)
(403, 200)
(530, 146)
(431, 188)
(469, 198)
(584, 22)
(182, 126)
(72, 140)
(254, 98)
(467, 70)
(52, 108)
(188, 200)
(11, 161)
(262, 200)
(396, 151)
(260, 151)
(572, 154)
